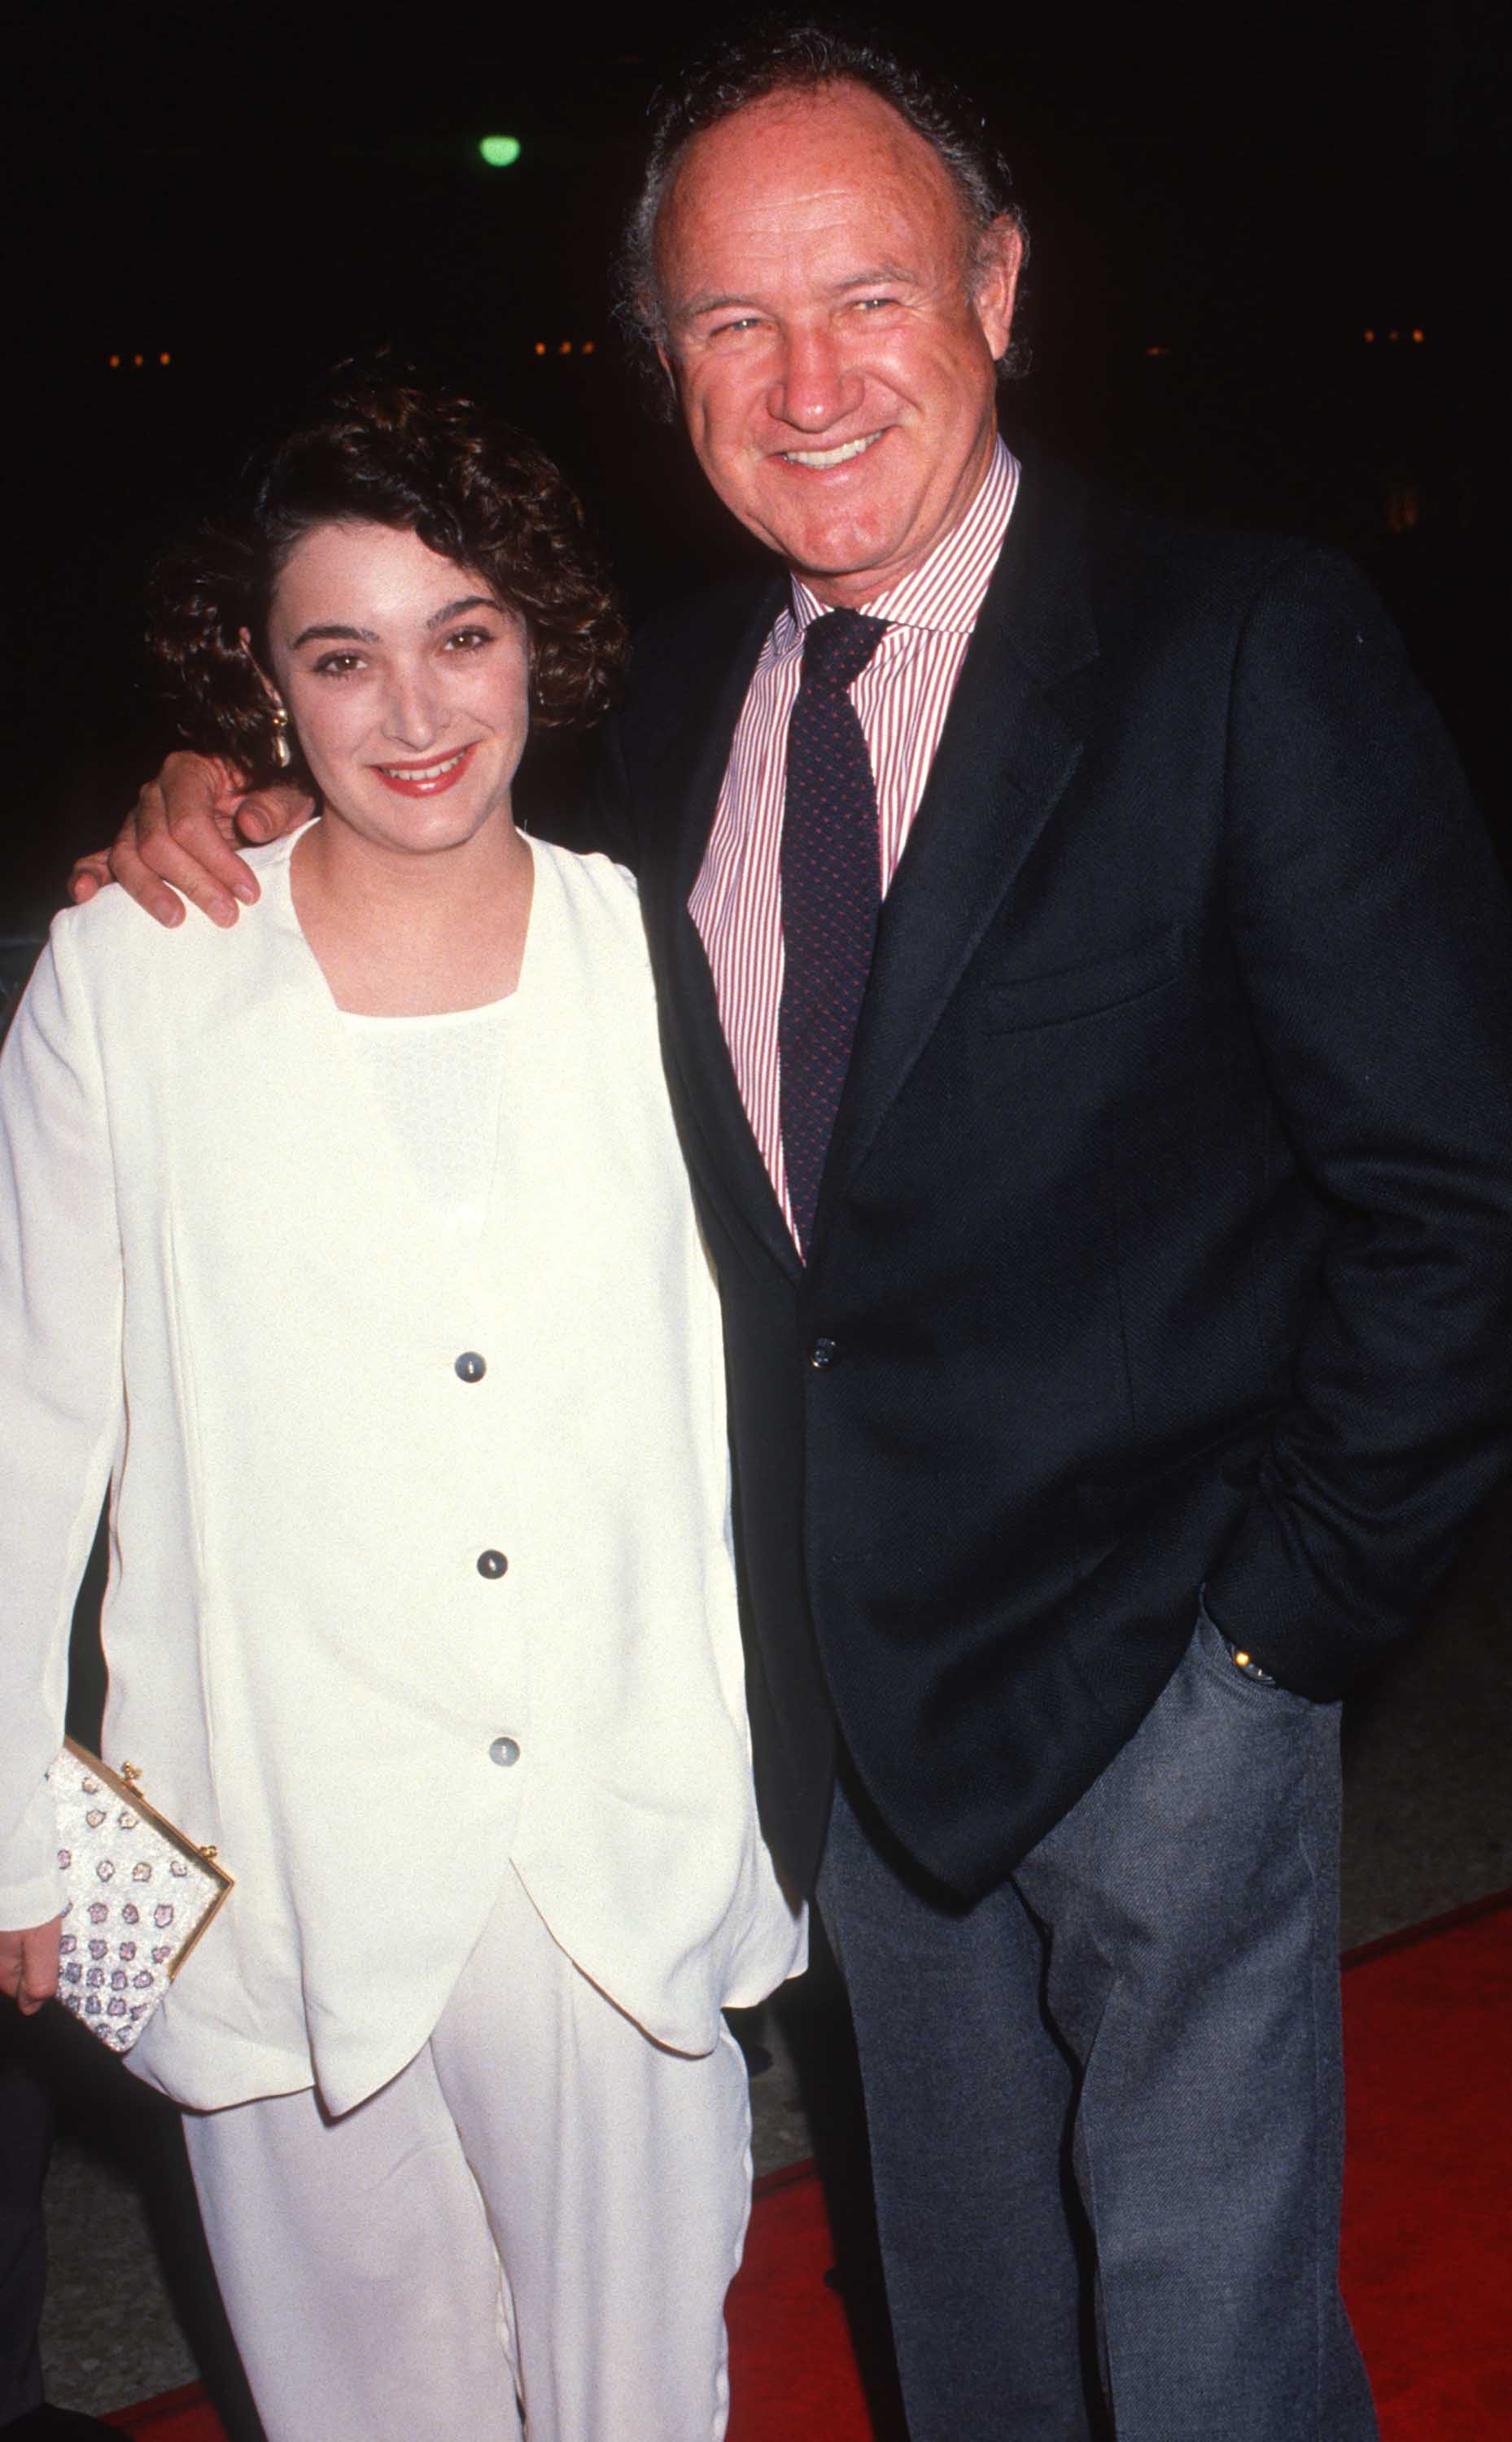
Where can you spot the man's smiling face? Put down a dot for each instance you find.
(832, 326)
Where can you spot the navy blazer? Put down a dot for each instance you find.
(1166, 1233)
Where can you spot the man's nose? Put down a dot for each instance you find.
(815, 387)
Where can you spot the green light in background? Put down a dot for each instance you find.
(500, 151)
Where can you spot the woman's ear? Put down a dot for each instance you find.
(244, 637)
(278, 717)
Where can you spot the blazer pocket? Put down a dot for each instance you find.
(1021, 1001)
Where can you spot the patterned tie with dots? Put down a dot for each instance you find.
(831, 893)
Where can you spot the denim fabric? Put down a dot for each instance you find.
(968, 2101)
(1152, 2001)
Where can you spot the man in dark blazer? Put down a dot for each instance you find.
(1126, 1388)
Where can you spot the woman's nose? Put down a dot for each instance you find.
(412, 714)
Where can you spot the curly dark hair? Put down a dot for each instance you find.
(784, 54)
(380, 453)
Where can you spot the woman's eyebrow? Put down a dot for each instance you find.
(469, 602)
(371, 636)
(341, 635)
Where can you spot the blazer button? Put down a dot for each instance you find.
(822, 1354)
(469, 1366)
(504, 1751)
(491, 1565)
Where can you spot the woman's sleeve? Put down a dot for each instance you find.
(60, 1393)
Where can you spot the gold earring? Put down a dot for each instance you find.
(281, 755)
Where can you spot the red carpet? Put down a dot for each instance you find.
(1427, 2235)
(1427, 2187)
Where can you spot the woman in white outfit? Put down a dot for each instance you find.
(352, 1249)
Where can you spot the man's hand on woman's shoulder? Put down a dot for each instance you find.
(182, 831)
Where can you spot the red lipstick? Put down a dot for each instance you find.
(428, 779)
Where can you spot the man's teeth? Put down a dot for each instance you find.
(830, 456)
(424, 771)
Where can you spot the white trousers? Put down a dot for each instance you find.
(530, 2230)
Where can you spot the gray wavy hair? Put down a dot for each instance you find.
(800, 56)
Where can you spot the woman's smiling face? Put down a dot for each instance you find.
(407, 681)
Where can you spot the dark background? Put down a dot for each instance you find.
(257, 193)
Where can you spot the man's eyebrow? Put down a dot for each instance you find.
(692, 306)
(880, 275)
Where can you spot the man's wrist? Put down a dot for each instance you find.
(1244, 1660)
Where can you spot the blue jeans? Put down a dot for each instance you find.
(1106, 2102)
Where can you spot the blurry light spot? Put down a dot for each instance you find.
(114, 363)
(565, 349)
(500, 151)
(1394, 335)
(1158, 352)
(540, 346)
(1402, 507)
(1369, 337)
(136, 360)
(1417, 338)
(587, 345)
(165, 358)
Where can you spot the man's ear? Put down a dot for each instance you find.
(997, 262)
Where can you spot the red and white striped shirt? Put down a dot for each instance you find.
(901, 698)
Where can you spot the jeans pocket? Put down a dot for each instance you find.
(1212, 1652)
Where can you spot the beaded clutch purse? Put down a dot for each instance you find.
(140, 1894)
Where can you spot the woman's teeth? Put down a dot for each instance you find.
(423, 771)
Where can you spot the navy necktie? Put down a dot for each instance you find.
(831, 893)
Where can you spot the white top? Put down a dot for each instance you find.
(214, 1290)
(433, 1075)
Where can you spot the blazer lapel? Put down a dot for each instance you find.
(1003, 764)
(687, 782)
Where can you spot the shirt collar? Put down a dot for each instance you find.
(945, 591)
